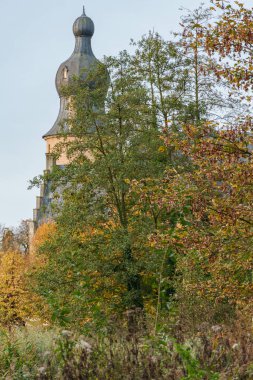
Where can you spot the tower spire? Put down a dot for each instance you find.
(84, 14)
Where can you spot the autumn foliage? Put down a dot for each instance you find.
(232, 38)
(43, 233)
(153, 236)
(17, 303)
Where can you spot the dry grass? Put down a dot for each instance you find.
(214, 352)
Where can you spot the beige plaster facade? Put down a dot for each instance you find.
(51, 147)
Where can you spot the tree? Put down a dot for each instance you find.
(1, 234)
(206, 96)
(16, 302)
(103, 246)
(8, 240)
(16, 239)
(22, 237)
(160, 67)
(42, 234)
(213, 239)
(231, 38)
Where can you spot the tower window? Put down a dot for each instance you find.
(65, 72)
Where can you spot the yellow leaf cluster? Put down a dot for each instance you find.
(17, 304)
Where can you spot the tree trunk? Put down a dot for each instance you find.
(134, 298)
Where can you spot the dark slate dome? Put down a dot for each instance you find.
(83, 26)
(79, 64)
(82, 58)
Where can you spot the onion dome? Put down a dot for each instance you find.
(83, 26)
(78, 65)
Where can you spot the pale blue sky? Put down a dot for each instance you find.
(35, 37)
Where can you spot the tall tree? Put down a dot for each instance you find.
(231, 37)
(160, 67)
(22, 237)
(8, 240)
(17, 304)
(205, 95)
(102, 242)
(213, 239)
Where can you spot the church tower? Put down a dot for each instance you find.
(79, 64)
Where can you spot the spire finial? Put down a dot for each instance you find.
(84, 14)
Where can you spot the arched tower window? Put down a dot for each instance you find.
(65, 72)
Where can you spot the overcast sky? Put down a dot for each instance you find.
(35, 37)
